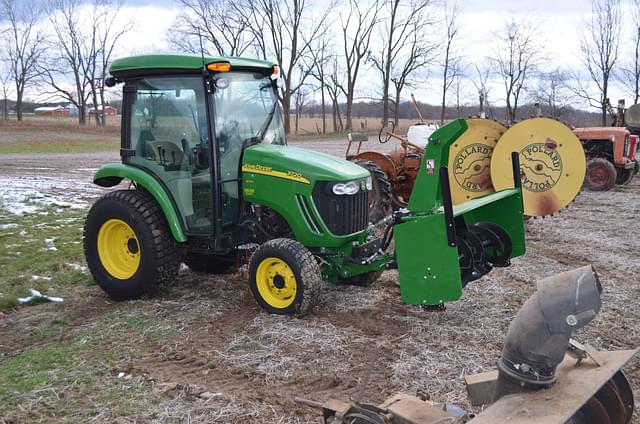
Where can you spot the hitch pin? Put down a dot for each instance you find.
(372, 257)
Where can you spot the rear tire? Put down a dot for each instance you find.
(128, 245)
(380, 196)
(285, 278)
(601, 175)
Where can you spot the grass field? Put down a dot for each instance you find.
(37, 134)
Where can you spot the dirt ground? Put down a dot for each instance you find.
(230, 362)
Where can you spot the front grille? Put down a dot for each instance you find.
(627, 147)
(346, 214)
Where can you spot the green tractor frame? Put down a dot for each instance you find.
(212, 181)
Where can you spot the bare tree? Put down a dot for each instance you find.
(333, 90)
(356, 28)
(319, 59)
(286, 29)
(599, 50)
(515, 58)
(67, 56)
(630, 75)
(481, 86)
(84, 37)
(217, 25)
(553, 92)
(416, 54)
(23, 44)
(5, 83)
(396, 31)
(451, 67)
(301, 99)
(108, 32)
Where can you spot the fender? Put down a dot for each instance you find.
(112, 174)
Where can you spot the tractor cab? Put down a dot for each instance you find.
(189, 131)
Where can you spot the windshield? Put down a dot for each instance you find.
(246, 108)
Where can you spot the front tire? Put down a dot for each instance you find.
(601, 175)
(128, 245)
(380, 196)
(285, 278)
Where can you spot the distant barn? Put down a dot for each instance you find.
(51, 111)
(108, 110)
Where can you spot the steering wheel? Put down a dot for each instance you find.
(388, 128)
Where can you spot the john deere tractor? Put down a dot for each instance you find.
(212, 181)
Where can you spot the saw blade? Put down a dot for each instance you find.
(470, 159)
(552, 164)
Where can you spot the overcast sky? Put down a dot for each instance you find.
(560, 32)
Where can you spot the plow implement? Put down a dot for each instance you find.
(543, 376)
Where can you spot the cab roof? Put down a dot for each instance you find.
(154, 63)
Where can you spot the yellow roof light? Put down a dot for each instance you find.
(219, 67)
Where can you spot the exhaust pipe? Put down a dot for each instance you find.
(538, 337)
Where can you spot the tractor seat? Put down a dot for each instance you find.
(355, 138)
(167, 153)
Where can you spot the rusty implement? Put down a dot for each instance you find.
(587, 390)
(399, 409)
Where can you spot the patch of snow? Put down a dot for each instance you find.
(7, 226)
(77, 267)
(50, 244)
(28, 194)
(40, 278)
(35, 295)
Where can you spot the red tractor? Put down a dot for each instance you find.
(610, 155)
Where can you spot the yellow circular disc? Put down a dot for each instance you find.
(470, 160)
(552, 164)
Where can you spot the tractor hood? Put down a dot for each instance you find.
(297, 164)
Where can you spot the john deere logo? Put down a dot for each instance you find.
(541, 166)
(472, 167)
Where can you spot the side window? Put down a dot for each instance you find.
(169, 136)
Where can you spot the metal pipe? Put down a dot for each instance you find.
(538, 336)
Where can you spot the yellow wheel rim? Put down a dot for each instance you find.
(276, 283)
(470, 159)
(118, 249)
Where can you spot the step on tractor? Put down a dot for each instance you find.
(213, 184)
(552, 163)
(611, 151)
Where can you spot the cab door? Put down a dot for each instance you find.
(168, 137)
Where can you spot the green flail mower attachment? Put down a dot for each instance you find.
(440, 247)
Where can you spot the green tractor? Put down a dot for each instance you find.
(212, 181)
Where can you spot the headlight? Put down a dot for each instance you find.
(369, 183)
(348, 188)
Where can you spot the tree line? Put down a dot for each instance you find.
(62, 49)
